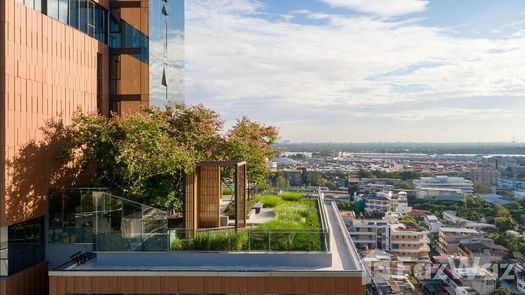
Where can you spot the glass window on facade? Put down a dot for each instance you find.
(85, 15)
(52, 8)
(91, 19)
(63, 11)
(73, 13)
(33, 4)
(100, 23)
(82, 15)
(166, 51)
(3, 251)
(115, 34)
(25, 246)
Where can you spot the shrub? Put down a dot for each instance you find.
(291, 197)
(178, 245)
(216, 241)
(227, 191)
(270, 201)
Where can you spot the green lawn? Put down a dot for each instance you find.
(295, 227)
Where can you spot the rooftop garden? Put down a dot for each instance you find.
(295, 227)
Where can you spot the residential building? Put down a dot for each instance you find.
(487, 176)
(440, 194)
(400, 203)
(445, 182)
(448, 238)
(409, 243)
(509, 184)
(464, 277)
(369, 234)
(482, 251)
(433, 223)
(477, 278)
(367, 185)
(378, 204)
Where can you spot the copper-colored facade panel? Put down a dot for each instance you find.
(132, 16)
(240, 195)
(130, 73)
(32, 281)
(51, 71)
(323, 284)
(190, 202)
(209, 196)
(4, 33)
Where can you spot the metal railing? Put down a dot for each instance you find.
(323, 219)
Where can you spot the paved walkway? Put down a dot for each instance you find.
(341, 257)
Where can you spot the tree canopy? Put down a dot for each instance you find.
(144, 156)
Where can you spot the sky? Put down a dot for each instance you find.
(362, 70)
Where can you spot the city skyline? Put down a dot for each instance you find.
(362, 71)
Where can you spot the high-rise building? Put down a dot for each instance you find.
(57, 57)
(62, 56)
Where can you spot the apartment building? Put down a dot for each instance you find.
(369, 234)
(367, 185)
(378, 204)
(485, 175)
(409, 243)
(444, 182)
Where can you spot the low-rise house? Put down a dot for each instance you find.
(449, 238)
(482, 251)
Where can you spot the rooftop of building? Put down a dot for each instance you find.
(457, 230)
(432, 218)
(476, 246)
(341, 257)
(407, 227)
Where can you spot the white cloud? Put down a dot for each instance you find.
(381, 7)
(239, 62)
